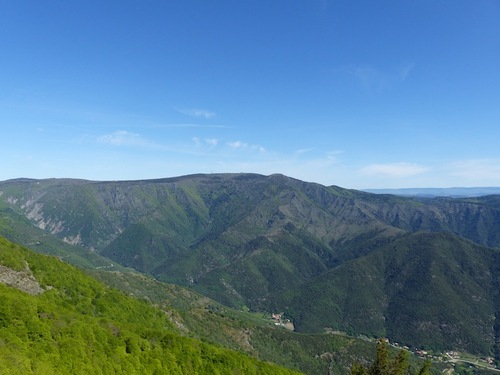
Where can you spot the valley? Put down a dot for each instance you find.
(421, 271)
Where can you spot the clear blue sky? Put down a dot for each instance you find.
(355, 93)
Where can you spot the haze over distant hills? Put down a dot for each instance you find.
(457, 192)
(422, 271)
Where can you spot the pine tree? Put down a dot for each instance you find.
(383, 364)
(425, 368)
(400, 365)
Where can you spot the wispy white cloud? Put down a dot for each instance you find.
(482, 171)
(393, 170)
(210, 142)
(239, 145)
(404, 71)
(374, 79)
(197, 112)
(333, 155)
(303, 151)
(370, 78)
(197, 141)
(124, 138)
(192, 126)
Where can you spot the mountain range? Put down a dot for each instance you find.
(424, 272)
(455, 192)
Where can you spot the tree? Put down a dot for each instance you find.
(400, 365)
(383, 364)
(358, 369)
(425, 368)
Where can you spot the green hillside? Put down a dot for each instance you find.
(56, 320)
(430, 290)
(253, 333)
(419, 270)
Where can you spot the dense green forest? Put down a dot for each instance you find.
(65, 322)
(55, 319)
(252, 333)
(423, 272)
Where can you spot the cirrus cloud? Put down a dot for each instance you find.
(373, 79)
(123, 138)
(484, 171)
(211, 142)
(239, 145)
(197, 112)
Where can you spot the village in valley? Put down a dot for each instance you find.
(451, 357)
(280, 321)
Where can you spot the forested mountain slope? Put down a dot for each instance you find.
(272, 242)
(56, 320)
(434, 289)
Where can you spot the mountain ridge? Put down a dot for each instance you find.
(259, 242)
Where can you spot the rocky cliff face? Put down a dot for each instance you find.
(22, 280)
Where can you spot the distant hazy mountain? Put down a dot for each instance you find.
(457, 192)
(423, 271)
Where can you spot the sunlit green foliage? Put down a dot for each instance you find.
(80, 326)
(249, 332)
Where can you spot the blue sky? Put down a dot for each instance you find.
(355, 93)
